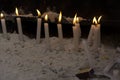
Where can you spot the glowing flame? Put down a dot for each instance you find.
(16, 11)
(46, 17)
(75, 19)
(1, 15)
(38, 12)
(99, 19)
(95, 20)
(60, 17)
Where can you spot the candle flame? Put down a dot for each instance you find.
(16, 11)
(38, 12)
(60, 17)
(95, 20)
(46, 17)
(75, 19)
(1, 15)
(99, 19)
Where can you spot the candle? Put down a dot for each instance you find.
(3, 23)
(97, 39)
(77, 24)
(94, 34)
(60, 33)
(75, 35)
(90, 36)
(19, 25)
(46, 29)
(38, 35)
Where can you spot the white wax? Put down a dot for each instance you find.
(38, 35)
(60, 35)
(91, 35)
(19, 28)
(75, 38)
(97, 40)
(46, 29)
(3, 23)
(79, 29)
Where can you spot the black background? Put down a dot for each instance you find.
(85, 8)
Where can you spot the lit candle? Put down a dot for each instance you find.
(94, 34)
(38, 35)
(46, 28)
(75, 35)
(19, 25)
(3, 23)
(78, 27)
(60, 33)
(91, 33)
(97, 39)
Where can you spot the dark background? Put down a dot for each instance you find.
(109, 9)
(85, 8)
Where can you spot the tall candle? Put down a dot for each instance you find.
(60, 33)
(19, 25)
(3, 23)
(97, 39)
(46, 28)
(94, 34)
(78, 26)
(96, 43)
(38, 35)
(75, 35)
(91, 35)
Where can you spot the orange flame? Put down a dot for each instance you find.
(60, 17)
(46, 17)
(38, 12)
(75, 19)
(97, 21)
(16, 11)
(1, 15)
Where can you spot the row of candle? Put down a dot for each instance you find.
(95, 29)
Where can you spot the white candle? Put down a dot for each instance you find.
(90, 36)
(94, 34)
(3, 23)
(60, 33)
(76, 36)
(19, 26)
(97, 40)
(46, 29)
(39, 20)
(78, 26)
